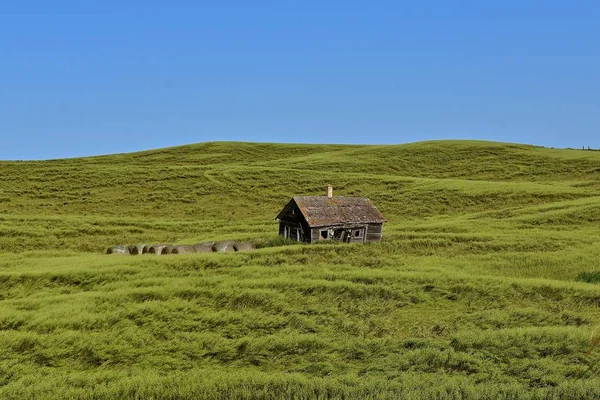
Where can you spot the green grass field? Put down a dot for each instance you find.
(486, 284)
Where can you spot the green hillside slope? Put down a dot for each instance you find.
(485, 284)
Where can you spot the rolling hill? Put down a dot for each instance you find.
(485, 285)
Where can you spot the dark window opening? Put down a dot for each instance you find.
(324, 234)
(357, 233)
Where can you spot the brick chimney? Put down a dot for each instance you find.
(329, 192)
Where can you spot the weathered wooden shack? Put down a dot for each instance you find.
(347, 219)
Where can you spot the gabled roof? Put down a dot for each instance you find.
(325, 211)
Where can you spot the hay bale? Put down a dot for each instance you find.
(206, 247)
(121, 250)
(183, 249)
(167, 249)
(243, 246)
(157, 249)
(225, 246)
(136, 249)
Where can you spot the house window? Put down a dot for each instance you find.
(357, 233)
(324, 234)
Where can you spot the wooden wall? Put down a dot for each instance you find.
(298, 228)
(369, 233)
(374, 232)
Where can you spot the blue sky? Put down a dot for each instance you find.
(88, 77)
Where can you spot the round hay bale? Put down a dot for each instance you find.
(243, 246)
(136, 249)
(183, 249)
(121, 250)
(225, 246)
(206, 247)
(157, 249)
(167, 249)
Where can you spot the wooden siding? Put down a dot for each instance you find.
(315, 234)
(346, 233)
(374, 232)
(296, 225)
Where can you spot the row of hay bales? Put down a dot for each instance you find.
(225, 246)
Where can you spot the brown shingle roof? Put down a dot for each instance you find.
(322, 211)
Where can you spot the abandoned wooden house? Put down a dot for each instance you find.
(347, 219)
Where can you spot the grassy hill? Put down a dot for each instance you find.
(485, 285)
